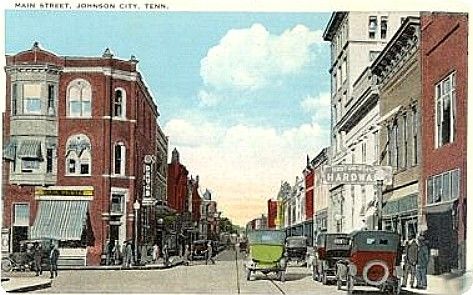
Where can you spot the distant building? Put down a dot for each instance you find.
(443, 184)
(80, 138)
(272, 213)
(177, 189)
(321, 194)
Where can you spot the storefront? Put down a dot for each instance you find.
(63, 215)
(400, 215)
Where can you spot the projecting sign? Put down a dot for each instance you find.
(356, 174)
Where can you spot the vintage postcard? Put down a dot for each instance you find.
(226, 148)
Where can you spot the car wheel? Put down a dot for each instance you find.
(6, 265)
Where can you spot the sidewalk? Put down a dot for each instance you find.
(23, 284)
(27, 281)
(442, 284)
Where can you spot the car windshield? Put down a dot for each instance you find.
(296, 243)
(273, 237)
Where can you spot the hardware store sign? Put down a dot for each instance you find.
(356, 174)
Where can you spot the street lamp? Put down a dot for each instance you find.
(136, 207)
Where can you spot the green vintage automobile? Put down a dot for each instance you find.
(267, 253)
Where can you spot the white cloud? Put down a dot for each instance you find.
(318, 107)
(243, 164)
(251, 58)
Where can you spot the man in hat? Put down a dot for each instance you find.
(422, 261)
(410, 260)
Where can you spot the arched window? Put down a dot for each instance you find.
(78, 155)
(119, 154)
(79, 97)
(119, 103)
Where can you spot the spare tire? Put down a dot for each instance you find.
(373, 278)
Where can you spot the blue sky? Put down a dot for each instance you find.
(243, 96)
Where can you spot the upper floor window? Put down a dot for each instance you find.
(445, 102)
(14, 99)
(79, 97)
(443, 187)
(119, 159)
(119, 100)
(32, 99)
(415, 136)
(372, 27)
(344, 70)
(51, 99)
(384, 27)
(78, 155)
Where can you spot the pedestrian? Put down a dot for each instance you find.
(37, 259)
(209, 254)
(128, 254)
(187, 253)
(118, 254)
(113, 252)
(422, 261)
(410, 261)
(53, 258)
(155, 253)
(166, 254)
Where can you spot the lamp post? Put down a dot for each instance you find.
(136, 207)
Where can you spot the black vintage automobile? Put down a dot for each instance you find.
(199, 249)
(296, 248)
(24, 259)
(329, 248)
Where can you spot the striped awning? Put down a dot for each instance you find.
(30, 149)
(60, 220)
(9, 150)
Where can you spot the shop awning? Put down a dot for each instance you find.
(441, 208)
(30, 149)
(61, 220)
(9, 150)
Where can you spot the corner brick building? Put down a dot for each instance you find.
(444, 59)
(79, 138)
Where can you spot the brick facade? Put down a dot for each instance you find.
(443, 52)
(135, 130)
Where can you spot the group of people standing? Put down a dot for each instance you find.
(416, 258)
(53, 256)
(116, 256)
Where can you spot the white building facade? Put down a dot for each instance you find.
(356, 40)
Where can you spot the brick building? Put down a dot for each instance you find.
(308, 173)
(77, 133)
(177, 184)
(444, 137)
(272, 213)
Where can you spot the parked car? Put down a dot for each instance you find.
(374, 260)
(199, 249)
(296, 248)
(24, 259)
(329, 248)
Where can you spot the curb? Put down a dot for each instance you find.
(27, 288)
(120, 267)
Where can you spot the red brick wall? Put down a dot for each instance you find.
(309, 194)
(272, 213)
(177, 186)
(444, 50)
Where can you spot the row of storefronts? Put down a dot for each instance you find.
(85, 160)
(398, 104)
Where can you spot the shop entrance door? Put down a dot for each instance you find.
(19, 233)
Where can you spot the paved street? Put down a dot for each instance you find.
(226, 277)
